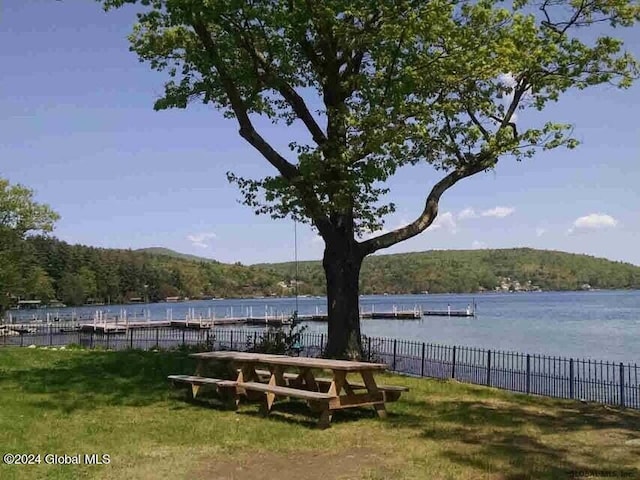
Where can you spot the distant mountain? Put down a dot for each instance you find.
(440, 271)
(167, 252)
(76, 274)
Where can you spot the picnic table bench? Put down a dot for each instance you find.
(324, 395)
(196, 382)
(391, 392)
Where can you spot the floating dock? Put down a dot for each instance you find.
(399, 315)
(120, 324)
(448, 313)
(205, 324)
(396, 315)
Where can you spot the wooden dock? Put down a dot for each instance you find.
(400, 315)
(448, 313)
(203, 324)
(119, 324)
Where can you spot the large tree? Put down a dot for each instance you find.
(20, 215)
(378, 85)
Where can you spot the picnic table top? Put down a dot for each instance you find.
(284, 360)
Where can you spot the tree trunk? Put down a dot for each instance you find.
(342, 261)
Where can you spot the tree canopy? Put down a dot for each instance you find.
(395, 83)
(20, 215)
(377, 86)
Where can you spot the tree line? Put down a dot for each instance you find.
(76, 274)
(464, 271)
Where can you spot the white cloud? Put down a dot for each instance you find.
(507, 79)
(593, 221)
(401, 222)
(201, 239)
(446, 221)
(467, 213)
(376, 233)
(540, 231)
(499, 212)
(476, 245)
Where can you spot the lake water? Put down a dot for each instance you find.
(603, 325)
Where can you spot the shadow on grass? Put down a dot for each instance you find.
(523, 437)
(297, 412)
(89, 379)
(291, 411)
(514, 438)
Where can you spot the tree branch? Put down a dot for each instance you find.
(477, 123)
(356, 57)
(452, 137)
(290, 95)
(392, 65)
(555, 26)
(430, 212)
(519, 91)
(247, 131)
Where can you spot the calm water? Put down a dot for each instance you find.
(603, 325)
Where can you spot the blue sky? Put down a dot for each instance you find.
(78, 126)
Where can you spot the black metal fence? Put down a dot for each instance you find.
(588, 380)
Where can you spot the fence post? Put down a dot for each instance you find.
(255, 338)
(424, 346)
(621, 384)
(488, 368)
(231, 340)
(571, 391)
(183, 332)
(131, 339)
(453, 363)
(394, 354)
(107, 334)
(157, 337)
(21, 339)
(369, 349)
(91, 340)
(50, 336)
(321, 344)
(528, 373)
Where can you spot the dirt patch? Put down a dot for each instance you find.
(309, 465)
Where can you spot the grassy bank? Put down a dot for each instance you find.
(119, 403)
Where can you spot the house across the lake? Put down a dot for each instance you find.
(28, 304)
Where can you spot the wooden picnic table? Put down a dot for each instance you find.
(269, 376)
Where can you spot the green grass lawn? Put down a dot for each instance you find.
(120, 403)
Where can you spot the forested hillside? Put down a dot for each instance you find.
(167, 252)
(75, 274)
(442, 271)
